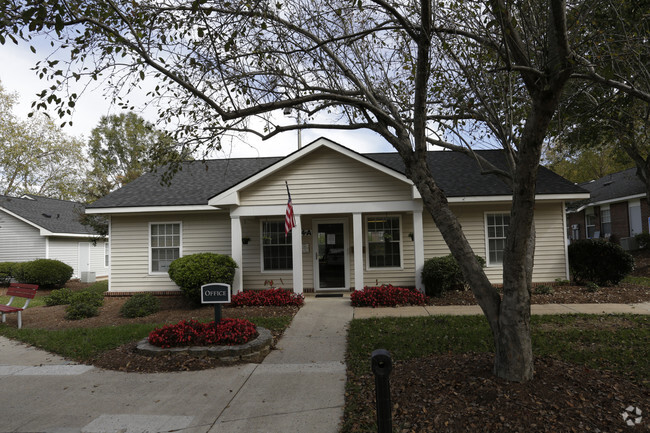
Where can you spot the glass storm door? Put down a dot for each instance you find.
(330, 256)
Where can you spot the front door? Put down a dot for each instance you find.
(330, 270)
(84, 257)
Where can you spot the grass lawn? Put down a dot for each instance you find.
(615, 342)
(82, 344)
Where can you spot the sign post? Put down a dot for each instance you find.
(217, 294)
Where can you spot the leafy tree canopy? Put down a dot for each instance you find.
(36, 157)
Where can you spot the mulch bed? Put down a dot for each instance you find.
(459, 393)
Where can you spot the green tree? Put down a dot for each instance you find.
(596, 118)
(123, 147)
(454, 74)
(36, 157)
(586, 164)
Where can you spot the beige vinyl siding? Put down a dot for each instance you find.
(325, 176)
(405, 276)
(97, 259)
(19, 241)
(67, 251)
(550, 262)
(201, 232)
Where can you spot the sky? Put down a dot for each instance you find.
(16, 76)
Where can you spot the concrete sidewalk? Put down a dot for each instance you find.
(469, 310)
(298, 388)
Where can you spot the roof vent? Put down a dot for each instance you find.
(46, 215)
(608, 183)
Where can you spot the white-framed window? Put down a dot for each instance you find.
(496, 227)
(384, 242)
(276, 247)
(164, 245)
(605, 221)
(107, 252)
(590, 222)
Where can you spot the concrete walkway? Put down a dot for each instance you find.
(468, 310)
(298, 388)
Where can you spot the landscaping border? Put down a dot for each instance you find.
(253, 351)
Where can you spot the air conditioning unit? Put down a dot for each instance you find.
(575, 226)
(629, 244)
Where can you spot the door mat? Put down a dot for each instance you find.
(329, 295)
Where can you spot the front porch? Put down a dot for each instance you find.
(340, 247)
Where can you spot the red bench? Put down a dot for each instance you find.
(27, 291)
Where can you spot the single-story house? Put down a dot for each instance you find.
(359, 220)
(617, 209)
(34, 227)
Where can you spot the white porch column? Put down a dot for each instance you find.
(357, 230)
(418, 247)
(236, 251)
(296, 255)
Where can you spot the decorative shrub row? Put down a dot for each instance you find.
(47, 273)
(599, 261)
(386, 296)
(193, 271)
(441, 274)
(268, 297)
(228, 332)
(140, 305)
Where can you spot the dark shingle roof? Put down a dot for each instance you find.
(194, 184)
(459, 175)
(616, 185)
(198, 181)
(57, 216)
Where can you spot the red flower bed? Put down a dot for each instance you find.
(267, 297)
(228, 332)
(386, 296)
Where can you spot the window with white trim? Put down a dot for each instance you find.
(165, 241)
(497, 226)
(106, 255)
(276, 247)
(605, 221)
(384, 242)
(590, 222)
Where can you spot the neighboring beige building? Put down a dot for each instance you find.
(359, 220)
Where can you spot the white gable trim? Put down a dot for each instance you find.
(231, 195)
(43, 231)
(611, 200)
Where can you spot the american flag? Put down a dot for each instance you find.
(289, 219)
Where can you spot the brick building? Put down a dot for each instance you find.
(617, 210)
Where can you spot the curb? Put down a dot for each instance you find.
(253, 351)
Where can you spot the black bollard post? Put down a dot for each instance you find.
(217, 314)
(382, 365)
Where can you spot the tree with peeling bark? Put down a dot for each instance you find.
(417, 72)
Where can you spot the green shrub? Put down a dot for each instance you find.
(84, 304)
(599, 261)
(643, 240)
(59, 297)
(47, 273)
(6, 272)
(543, 290)
(140, 305)
(441, 274)
(17, 271)
(193, 271)
(592, 287)
(98, 286)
